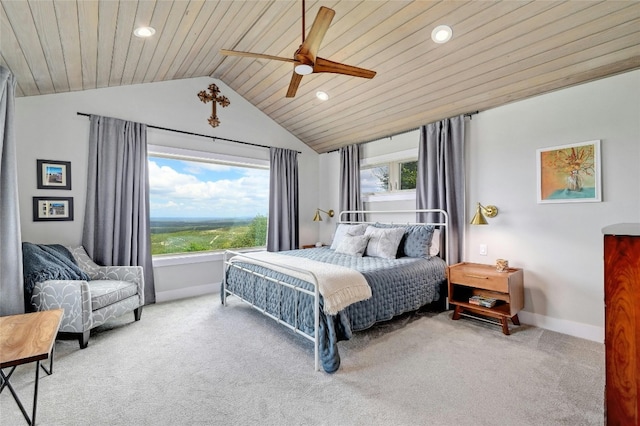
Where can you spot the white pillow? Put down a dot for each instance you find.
(355, 245)
(434, 249)
(344, 229)
(383, 242)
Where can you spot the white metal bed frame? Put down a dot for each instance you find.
(443, 224)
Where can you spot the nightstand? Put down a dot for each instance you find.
(308, 246)
(475, 279)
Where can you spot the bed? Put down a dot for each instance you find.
(373, 271)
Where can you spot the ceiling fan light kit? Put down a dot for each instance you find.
(303, 69)
(441, 34)
(305, 59)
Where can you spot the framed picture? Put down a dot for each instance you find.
(569, 173)
(52, 208)
(54, 174)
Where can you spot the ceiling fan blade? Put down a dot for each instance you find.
(325, 65)
(254, 55)
(319, 28)
(293, 86)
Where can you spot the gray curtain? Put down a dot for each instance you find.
(350, 197)
(282, 232)
(441, 177)
(11, 286)
(116, 222)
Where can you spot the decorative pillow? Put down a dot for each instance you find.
(434, 249)
(344, 229)
(354, 245)
(416, 240)
(383, 242)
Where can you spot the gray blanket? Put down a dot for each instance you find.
(42, 262)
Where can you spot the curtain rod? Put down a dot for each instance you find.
(196, 134)
(469, 114)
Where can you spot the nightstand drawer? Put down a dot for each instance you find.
(480, 277)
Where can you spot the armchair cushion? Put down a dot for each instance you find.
(108, 292)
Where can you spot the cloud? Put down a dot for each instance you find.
(175, 194)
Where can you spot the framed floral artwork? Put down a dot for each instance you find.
(569, 173)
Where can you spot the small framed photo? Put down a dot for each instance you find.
(52, 208)
(54, 174)
(569, 173)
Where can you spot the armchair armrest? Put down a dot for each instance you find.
(132, 274)
(74, 296)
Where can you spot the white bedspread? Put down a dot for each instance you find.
(338, 285)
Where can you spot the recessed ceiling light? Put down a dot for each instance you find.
(323, 96)
(144, 32)
(441, 34)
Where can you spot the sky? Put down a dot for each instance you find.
(369, 182)
(189, 189)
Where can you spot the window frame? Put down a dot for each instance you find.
(393, 160)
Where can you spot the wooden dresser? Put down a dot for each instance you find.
(622, 323)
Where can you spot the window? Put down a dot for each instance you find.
(374, 179)
(388, 177)
(200, 203)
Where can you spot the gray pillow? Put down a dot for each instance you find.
(354, 245)
(383, 242)
(416, 241)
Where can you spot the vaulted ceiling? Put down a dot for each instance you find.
(501, 51)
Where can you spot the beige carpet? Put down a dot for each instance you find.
(194, 362)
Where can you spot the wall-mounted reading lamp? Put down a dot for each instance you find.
(318, 218)
(479, 219)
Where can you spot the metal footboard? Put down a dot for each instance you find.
(278, 318)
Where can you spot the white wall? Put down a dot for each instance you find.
(559, 246)
(48, 127)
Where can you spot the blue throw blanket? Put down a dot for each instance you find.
(42, 262)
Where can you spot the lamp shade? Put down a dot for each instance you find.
(478, 218)
(318, 218)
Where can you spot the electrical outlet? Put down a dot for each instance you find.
(483, 249)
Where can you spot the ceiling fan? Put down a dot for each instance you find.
(305, 59)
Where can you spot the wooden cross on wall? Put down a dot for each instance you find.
(214, 98)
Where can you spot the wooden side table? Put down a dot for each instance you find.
(27, 338)
(475, 279)
(308, 246)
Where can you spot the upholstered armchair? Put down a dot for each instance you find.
(111, 292)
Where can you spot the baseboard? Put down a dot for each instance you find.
(182, 293)
(572, 328)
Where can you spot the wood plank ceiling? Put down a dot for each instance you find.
(501, 51)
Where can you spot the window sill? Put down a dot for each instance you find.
(191, 258)
(390, 196)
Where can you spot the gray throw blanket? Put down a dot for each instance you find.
(42, 262)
